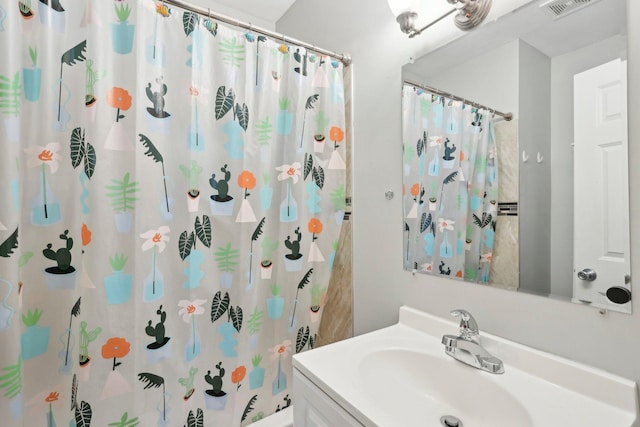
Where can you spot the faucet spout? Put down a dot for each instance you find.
(450, 341)
(492, 364)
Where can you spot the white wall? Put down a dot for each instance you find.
(379, 50)
(231, 12)
(490, 79)
(563, 68)
(534, 209)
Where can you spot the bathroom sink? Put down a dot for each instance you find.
(401, 376)
(421, 383)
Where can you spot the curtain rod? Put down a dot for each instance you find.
(344, 58)
(507, 116)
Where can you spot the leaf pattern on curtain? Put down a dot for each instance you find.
(450, 186)
(172, 195)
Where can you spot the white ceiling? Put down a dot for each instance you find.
(582, 28)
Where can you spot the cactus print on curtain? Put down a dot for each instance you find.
(172, 194)
(450, 187)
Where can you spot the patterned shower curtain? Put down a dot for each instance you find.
(172, 191)
(450, 186)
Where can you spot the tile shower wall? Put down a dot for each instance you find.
(505, 266)
(337, 318)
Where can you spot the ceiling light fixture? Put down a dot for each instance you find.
(470, 14)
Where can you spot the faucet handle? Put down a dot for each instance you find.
(468, 325)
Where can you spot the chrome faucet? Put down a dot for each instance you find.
(467, 349)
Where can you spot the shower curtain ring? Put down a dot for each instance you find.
(209, 13)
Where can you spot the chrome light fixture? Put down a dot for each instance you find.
(470, 14)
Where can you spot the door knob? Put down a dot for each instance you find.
(588, 274)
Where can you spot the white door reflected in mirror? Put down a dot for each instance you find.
(601, 219)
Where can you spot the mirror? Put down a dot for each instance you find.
(538, 204)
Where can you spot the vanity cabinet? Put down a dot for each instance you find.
(314, 408)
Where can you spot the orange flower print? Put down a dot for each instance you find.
(337, 135)
(120, 99)
(315, 226)
(52, 397)
(247, 180)
(238, 375)
(415, 189)
(116, 348)
(86, 235)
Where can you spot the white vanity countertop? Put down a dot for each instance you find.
(547, 390)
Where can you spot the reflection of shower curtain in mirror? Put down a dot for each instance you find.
(450, 186)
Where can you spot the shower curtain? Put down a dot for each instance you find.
(172, 194)
(450, 186)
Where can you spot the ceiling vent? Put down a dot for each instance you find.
(561, 8)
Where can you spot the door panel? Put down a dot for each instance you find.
(601, 184)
